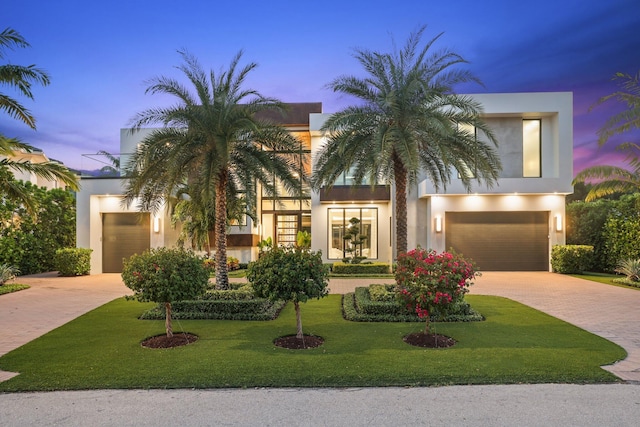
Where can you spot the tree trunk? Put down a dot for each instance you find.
(400, 179)
(167, 321)
(427, 328)
(299, 334)
(222, 275)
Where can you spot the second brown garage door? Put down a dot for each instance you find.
(500, 241)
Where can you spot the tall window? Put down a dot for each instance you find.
(531, 149)
(367, 227)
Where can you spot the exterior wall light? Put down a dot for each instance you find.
(558, 220)
(438, 224)
(156, 224)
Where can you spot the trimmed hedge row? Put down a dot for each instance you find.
(255, 309)
(73, 261)
(359, 307)
(237, 303)
(364, 268)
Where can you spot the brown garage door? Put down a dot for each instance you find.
(123, 234)
(500, 241)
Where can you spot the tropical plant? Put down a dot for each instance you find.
(164, 275)
(609, 179)
(289, 274)
(8, 272)
(428, 283)
(303, 239)
(22, 78)
(409, 123)
(112, 169)
(215, 142)
(18, 77)
(353, 242)
(631, 268)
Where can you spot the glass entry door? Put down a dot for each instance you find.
(286, 229)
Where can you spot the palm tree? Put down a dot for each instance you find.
(213, 141)
(22, 78)
(409, 122)
(18, 77)
(615, 179)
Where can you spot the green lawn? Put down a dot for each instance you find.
(15, 287)
(604, 278)
(516, 344)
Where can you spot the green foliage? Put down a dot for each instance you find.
(571, 259)
(8, 272)
(29, 239)
(73, 261)
(621, 235)
(384, 293)
(359, 306)
(630, 268)
(303, 240)
(14, 287)
(165, 275)
(219, 309)
(289, 274)
(363, 268)
(433, 284)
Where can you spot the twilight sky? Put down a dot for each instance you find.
(99, 55)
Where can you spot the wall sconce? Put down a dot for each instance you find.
(558, 220)
(438, 224)
(156, 224)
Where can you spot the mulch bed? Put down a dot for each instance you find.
(420, 339)
(163, 341)
(293, 343)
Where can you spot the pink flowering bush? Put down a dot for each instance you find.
(430, 284)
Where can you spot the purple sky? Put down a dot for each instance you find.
(99, 55)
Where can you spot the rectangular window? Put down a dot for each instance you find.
(353, 231)
(531, 149)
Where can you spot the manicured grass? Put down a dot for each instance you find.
(15, 287)
(604, 278)
(516, 344)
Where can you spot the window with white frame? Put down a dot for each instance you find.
(531, 149)
(338, 224)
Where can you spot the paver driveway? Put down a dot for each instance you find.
(608, 311)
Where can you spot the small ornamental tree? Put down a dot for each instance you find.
(429, 283)
(165, 275)
(290, 274)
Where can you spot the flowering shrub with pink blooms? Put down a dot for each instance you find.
(429, 283)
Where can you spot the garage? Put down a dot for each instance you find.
(500, 241)
(123, 234)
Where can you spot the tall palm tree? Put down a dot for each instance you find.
(407, 124)
(22, 78)
(616, 179)
(18, 77)
(212, 140)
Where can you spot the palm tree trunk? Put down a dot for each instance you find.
(299, 334)
(167, 319)
(400, 179)
(222, 275)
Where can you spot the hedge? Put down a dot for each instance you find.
(357, 306)
(73, 261)
(364, 268)
(571, 259)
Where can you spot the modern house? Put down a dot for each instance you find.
(35, 156)
(511, 226)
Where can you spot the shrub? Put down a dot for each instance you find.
(359, 307)
(289, 274)
(8, 272)
(630, 268)
(430, 283)
(233, 263)
(621, 238)
(372, 268)
(73, 261)
(571, 259)
(165, 275)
